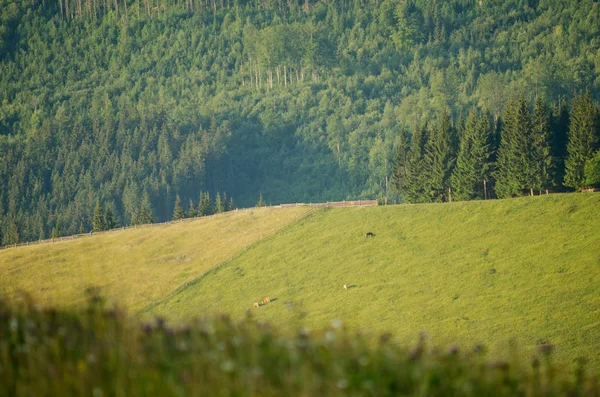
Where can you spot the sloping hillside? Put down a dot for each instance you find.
(469, 272)
(135, 266)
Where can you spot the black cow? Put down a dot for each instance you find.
(370, 234)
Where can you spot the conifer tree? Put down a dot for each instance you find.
(559, 138)
(439, 160)
(191, 210)
(81, 228)
(56, 231)
(513, 173)
(204, 205)
(542, 161)
(145, 214)
(14, 236)
(413, 191)
(583, 138)
(261, 202)
(400, 162)
(218, 204)
(201, 205)
(178, 210)
(109, 219)
(209, 204)
(98, 219)
(231, 204)
(225, 203)
(473, 165)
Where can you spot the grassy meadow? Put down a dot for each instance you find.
(491, 272)
(134, 266)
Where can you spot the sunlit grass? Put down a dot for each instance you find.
(134, 266)
(473, 272)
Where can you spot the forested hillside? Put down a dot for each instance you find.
(128, 102)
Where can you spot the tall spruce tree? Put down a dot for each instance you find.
(204, 204)
(414, 181)
(14, 235)
(583, 139)
(261, 202)
(559, 125)
(192, 213)
(98, 219)
(145, 214)
(57, 230)
(513, 173)
(473, 164)
(110, 221)
(225, 203)
(219, 204)
(439, 159)
(178, 210)
(542, 162)
(400, 161)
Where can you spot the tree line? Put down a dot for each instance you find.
(302, 101)
(528, 150)
(103, 218)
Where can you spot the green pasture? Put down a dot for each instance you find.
(134, 266)
(494, 272)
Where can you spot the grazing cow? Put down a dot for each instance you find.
(370, 234)
(265, 300)
(345, 286)
(256, 304)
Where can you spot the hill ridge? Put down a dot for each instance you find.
(196, 280)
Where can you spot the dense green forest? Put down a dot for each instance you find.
(131, 103)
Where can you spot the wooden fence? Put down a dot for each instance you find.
(356, 203)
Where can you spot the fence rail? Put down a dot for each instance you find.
(334, 204)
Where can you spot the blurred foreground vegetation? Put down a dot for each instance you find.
(101, 351)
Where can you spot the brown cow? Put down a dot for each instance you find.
(256, 304)
(265, 300)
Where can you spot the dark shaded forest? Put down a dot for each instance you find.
(133, 103)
